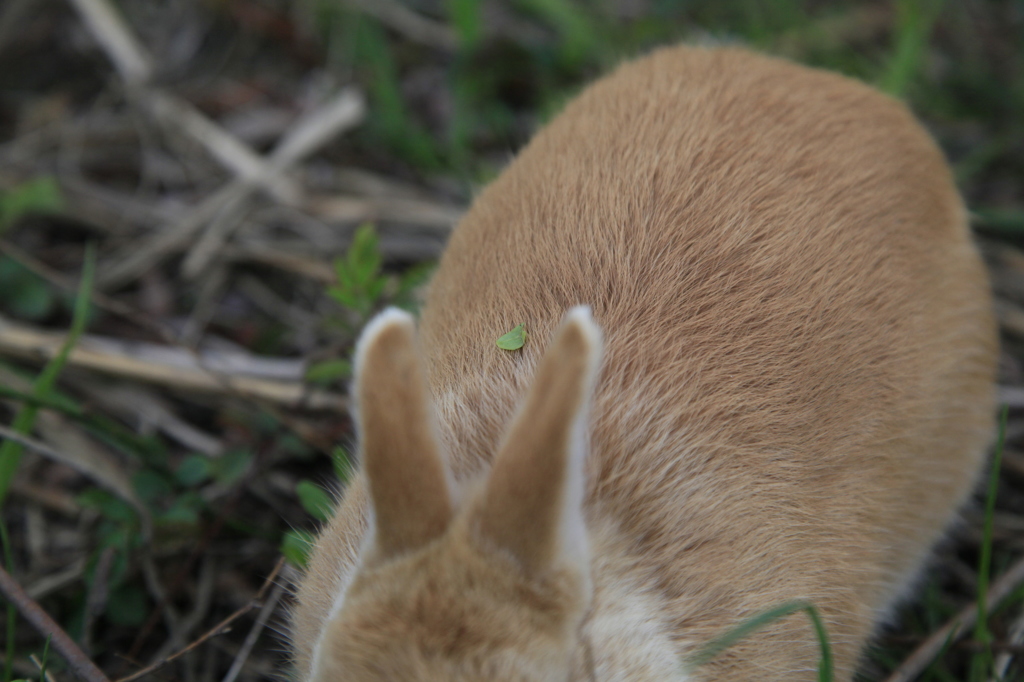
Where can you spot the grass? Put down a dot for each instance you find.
(981, 662)
(11, 452)
(715, 647)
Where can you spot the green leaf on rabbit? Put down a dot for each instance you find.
(513, 339)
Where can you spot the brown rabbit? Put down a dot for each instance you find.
(794, 396)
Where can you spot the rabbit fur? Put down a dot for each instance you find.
(792, 397)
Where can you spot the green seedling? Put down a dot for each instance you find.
(360, 281)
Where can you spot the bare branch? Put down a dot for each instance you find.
(342, 113)
(217, 629)
(103, 21)
(81, 664)
(174, 367)
(254, 633)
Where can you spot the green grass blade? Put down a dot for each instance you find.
(465, 17)
(12, 614)
(742, 631)
(825, 670)
(42, 663)
(10, 453)
(747, 628)
(981, 662)
(916, 18)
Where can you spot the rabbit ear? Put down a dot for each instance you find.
(533, 500)
(408, 481)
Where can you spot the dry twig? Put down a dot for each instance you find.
(106, 25)
(399, 210)
(247, 164)
(217, 629)
(345, 111)
(100, 471)
(254, 633)
(173, 367)
(221, 209)
(41, 621)
(135, 68)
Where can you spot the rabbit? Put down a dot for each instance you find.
(760, 367)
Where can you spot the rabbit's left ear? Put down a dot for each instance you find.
(407, 476)
(533, 500)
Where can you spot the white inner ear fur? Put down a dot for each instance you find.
(573, 541)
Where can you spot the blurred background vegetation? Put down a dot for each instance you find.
(197, 431)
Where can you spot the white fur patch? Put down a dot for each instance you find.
(630, 641)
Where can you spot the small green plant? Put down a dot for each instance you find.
(43, 659)
(360, 281)
(393, 122)
(166, 496)
(41, 195)
(362, 289)
(581, 37)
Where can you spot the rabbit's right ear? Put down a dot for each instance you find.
(533, 501)
(407, 476)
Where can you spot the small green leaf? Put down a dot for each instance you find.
(184, 512)
(314, 500)
(293, 446)
(41, 195)
(151, 485)
(513, 340)
(109, 506)
(343, 467)
(295, 546)
(231, 466)
(33, 300)
(127, 606)
(329, 370)
(193, 470)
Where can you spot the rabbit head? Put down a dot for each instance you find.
(494, 586)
